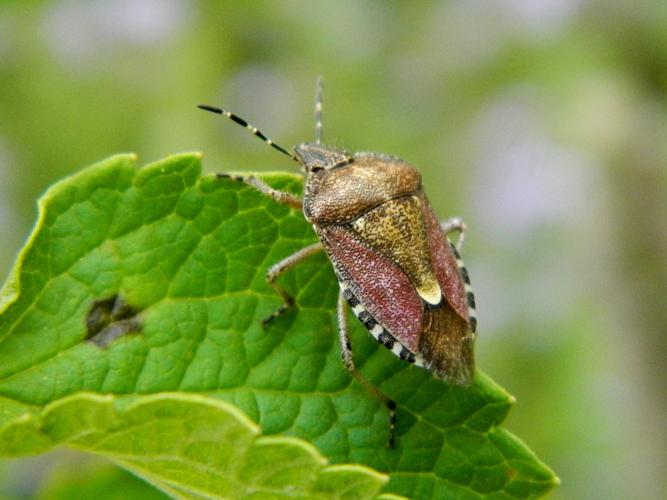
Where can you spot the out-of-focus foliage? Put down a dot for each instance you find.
(541, 123)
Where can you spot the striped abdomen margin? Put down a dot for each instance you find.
(470, 296)
(379, 332)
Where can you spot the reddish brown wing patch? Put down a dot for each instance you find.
(444, 262)
(381, 286)
(447, 340)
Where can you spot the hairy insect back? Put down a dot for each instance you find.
(342, 194)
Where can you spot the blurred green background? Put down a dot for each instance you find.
(541, 123)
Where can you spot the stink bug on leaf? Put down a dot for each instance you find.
(397, 270)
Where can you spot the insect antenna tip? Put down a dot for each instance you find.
(213, 109)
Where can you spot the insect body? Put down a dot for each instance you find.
(396, 268)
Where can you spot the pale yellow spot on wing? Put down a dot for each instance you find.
(430, 292)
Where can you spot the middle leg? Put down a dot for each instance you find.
(278, 269)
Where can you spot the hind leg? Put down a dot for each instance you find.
(455, 224)
(348, 361)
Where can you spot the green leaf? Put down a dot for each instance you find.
(140, 281)
(190, 446)
(75, 479)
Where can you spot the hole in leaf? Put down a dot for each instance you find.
(109, 319)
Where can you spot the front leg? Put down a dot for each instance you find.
(455, 224)
(279, 196)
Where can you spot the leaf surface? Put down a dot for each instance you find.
(140, 282)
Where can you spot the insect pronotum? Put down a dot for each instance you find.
(397, 270)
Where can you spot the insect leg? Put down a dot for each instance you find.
(279, 196)
(278, 269)
(348, 361)
(455, 224)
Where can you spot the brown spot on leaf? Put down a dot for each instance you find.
(511, 473)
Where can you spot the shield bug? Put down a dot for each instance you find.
(399, 273)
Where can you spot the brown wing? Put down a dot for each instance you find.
(444, 262)
(447, 338)
(379, 286)
(397, 230)
(386, 299)
(446, 344)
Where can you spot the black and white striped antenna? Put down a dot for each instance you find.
(318, 110)
(254, 130)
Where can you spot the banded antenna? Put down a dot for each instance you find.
(318, 110)
(254, 130)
